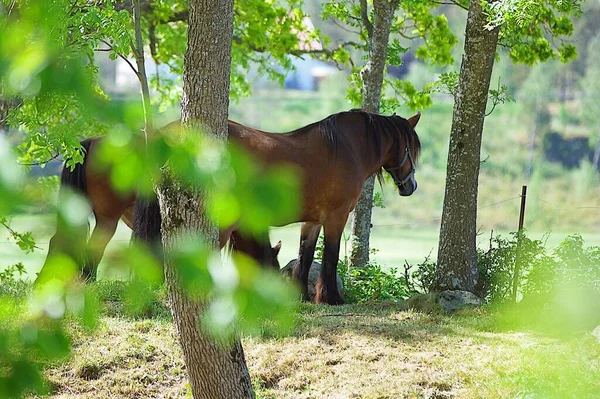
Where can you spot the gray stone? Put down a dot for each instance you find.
(313, 274)
(451, 301)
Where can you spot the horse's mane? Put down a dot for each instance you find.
(394, 125)
(327, 128)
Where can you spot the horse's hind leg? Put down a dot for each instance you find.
(308, 241)
(326, 288)
(67, 242)
(127, 217)
(103, 231)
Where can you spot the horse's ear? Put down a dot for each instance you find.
(413, 120)
(277, 248)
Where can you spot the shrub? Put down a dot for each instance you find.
(11, 283)
(542, 275)
(497, 265)
(421, 279)
(368, 283)
(371, 283)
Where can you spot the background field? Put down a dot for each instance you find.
(393, 244)
(560, 201)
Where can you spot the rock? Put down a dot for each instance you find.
(313, 274)
(424, 303)
(451, 301)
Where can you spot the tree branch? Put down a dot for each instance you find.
(122, 57)
(364, 14)
(343, 27)
(450, 3)
(299, 52)
(40, 162)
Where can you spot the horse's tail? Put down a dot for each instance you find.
(71, 240)
(146, 225)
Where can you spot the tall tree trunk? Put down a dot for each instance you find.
(457, 256)
(372, 77)
(215, 372)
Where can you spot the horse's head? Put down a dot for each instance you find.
(402, 165)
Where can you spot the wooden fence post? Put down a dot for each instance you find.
(516, 276)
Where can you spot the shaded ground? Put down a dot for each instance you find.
(366, 351)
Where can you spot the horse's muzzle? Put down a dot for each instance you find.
(408, 188)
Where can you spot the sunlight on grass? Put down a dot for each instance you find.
(352, 351)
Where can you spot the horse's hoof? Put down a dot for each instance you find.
(336, 301)
(304, 298)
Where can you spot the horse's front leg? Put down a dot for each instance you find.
(103, 231)
(309, 235)
(327, 289)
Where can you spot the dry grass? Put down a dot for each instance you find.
(123, 359)
(368, 351)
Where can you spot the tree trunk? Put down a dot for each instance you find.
(457, 256)
(138, 52)
(372, 77)
(596, 157)
(214, 371)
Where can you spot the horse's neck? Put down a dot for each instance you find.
(371, 158)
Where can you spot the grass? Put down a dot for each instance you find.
(355, 351)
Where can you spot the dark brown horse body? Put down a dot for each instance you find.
(108, 206)
(335, 157)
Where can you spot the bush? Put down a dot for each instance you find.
(371, 283)
(368, 283)
(11, 282)
(497, 266)
(421, 279)
(542, 275)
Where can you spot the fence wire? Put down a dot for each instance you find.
(407, 224)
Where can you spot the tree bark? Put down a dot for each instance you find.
(372, 77)
(215, 371)
(457, 255)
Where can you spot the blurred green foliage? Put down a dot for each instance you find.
(558, 290)
(46, 60)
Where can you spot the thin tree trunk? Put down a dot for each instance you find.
(596, 157)
(372, 76)
(215, 372)
(457, 256)
(138, 51)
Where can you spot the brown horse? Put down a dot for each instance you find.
(335, 156)
(108, 206)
